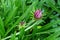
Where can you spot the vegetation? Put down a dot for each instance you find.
(17, 21)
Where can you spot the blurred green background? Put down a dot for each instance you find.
(13, 12)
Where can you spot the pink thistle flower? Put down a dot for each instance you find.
(38, 14)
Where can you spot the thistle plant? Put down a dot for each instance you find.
(29, 19)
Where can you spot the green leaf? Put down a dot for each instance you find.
(21, 18)
(34, 31)
(54, 30)
(13, 36)
(41, 3)
(57, 38)
(36, 23)
(53, 36)
(47, 26)
(50, 3)
(30, 23)
(58, 2)
(2, 30)
(21, 35)
(10, 15)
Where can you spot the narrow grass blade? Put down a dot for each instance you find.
(50, 3)
(21, 18)
(41, 3)
(54, 30)
(21, 34)
(2, 30)
(57, 38)
(58, 2)
(30, 23)
(13, 36)
(52, 36)
(36, 23)
(9, 17)
(50, 24)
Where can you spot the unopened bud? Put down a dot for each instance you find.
(38, 14)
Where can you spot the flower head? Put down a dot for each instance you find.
(38, 14)
(22, 23)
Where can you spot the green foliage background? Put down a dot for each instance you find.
(12, 12)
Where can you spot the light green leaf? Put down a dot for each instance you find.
(2, 30)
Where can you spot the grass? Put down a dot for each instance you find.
(13, 12)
